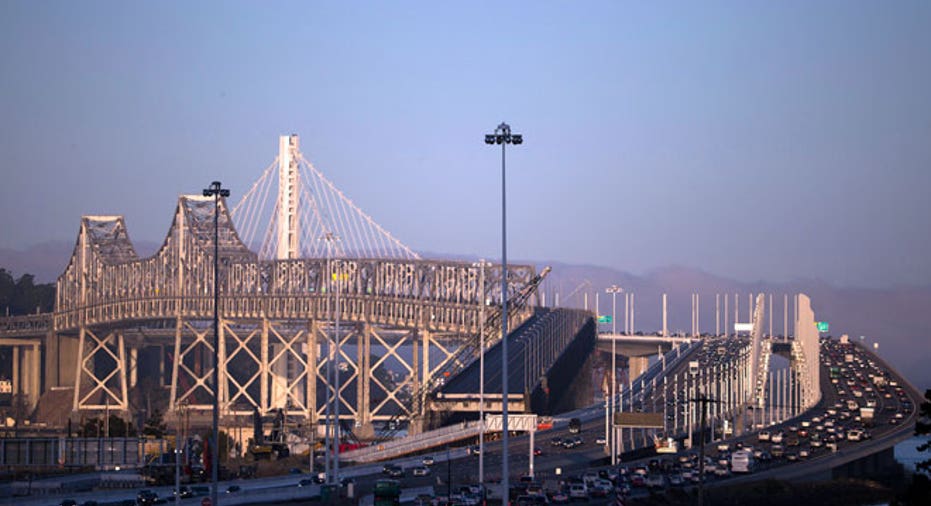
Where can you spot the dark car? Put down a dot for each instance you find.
(146, 497)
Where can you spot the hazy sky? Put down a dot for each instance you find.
(759, 140)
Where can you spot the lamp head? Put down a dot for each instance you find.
(489, 138)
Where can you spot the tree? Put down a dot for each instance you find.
(923, 428)
(24, 296)
(155, 424)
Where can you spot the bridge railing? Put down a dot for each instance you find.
(34, 324)
(411, 444)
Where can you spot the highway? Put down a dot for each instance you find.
(895, 400)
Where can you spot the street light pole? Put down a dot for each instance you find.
(216, 191)
(481, 374)
(503, 136)
(613, 290)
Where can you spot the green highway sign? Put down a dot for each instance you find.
(822, 326)
(604, 319)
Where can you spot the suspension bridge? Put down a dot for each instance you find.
(317, 301)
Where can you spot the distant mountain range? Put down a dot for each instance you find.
(898, 318)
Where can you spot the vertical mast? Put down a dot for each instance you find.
(288, 197)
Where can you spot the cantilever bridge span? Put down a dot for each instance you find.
(399, 320)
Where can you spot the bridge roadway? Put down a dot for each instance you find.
(538, 352)
(588, 457)
(635, 345)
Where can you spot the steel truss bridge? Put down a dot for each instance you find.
(322, 265)
(308, 284)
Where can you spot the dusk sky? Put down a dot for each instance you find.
(756, 140)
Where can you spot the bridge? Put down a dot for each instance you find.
(318, 301)
(328, 289)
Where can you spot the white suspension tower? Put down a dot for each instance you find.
(289, 197)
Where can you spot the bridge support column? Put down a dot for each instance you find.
(637, 366)
(364, 344)
(52, 360)
(133, 366)
(311, 379)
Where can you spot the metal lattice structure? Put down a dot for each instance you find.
(276, 315)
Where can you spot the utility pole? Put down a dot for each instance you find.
(703, 401)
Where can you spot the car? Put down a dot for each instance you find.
(723, 447)
(722, 472)
(655, 481)
(600, 440)
(803, 453)
(427, 461)
(232, 489)
(599, 490)
(184, 492)
(556, 441)
(764, 435)
(306, 482)
(393, 470)
(578, 491)
(537, 452)
(528, 500)
(146, 497)
(559, 497)
(421, 471)
(68, 502)
(474, 450)
(777, 438)
(675, 480)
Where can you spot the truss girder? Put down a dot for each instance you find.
(106, 284)
(100, 377)
(107, 287)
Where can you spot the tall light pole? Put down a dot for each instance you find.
(329, 463)
(481, 373)
(613, 290)
(217, 192)
(503, 136)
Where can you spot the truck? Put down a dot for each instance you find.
(742, 461)
(387, 492)
(866, 416)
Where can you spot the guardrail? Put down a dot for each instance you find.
(412, 444)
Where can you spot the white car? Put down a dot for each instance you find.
(777, 438)
(421, 471)
(578, 491)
